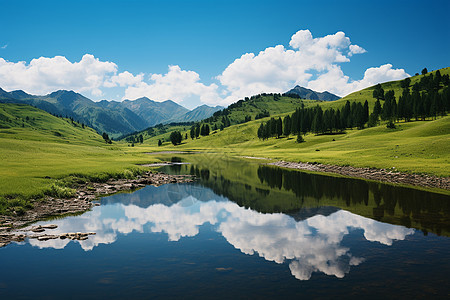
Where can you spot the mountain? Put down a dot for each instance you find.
(305, 93)
(115, 118)
(82, 109)
(197, 114)
(155, 112)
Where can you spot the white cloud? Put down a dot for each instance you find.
(308, 246)
(4, 46)
(277, 69)
(44, 75)
(176, 85)
(308, 61)
(124, 79)
(355, 49)
(336, 82)
(312, 62)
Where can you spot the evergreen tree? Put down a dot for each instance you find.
(279, 127)
(192, 132)
(317, 125)
(378, 92)
(175, 137)
(377, 108)
(261, 132)
(346, 115)
(287, 124)
(197, 130)
(366, 112)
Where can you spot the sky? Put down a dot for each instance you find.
(216, 52)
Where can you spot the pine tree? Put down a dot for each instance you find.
(366, 112)
(287, 123)
(279, 127)
(192, 132)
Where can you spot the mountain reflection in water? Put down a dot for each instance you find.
(307, 246)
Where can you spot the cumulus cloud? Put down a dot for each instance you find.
(277, 69)
(124, 79)
(308, 246)
(342, 85)
(44, 75)
(355, 49)
(176, 85)
(312, 62)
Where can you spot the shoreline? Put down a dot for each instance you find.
(80, 203)
(383, 175)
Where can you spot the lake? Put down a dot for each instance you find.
(242, 230)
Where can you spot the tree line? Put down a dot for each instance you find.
(425, 101)
(315, 120)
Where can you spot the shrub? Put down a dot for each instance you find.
(300, 139)
(390, 125)
(58, 191)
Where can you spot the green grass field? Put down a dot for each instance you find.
(38, 149)
(415, 147)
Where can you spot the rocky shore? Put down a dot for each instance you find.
(385, 175)
(81, 202)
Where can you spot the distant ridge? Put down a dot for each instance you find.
(199, 113)
(305, 93)
(113, 117)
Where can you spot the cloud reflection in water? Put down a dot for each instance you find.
(311, 245)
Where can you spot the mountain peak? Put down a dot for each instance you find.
(306, 93)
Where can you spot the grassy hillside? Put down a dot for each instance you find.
(418, 147)
(236, 113)
(37, 148)
(366, 94)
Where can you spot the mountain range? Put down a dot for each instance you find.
(128, 116)
(115, 118)
(305, 93)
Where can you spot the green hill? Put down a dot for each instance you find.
(37, 149)
(419, 146)
(112, 117)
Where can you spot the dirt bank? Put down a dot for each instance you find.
(384, 175)
(82, 201)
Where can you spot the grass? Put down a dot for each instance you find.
(414, 147)
(36, 161)
(40, 153)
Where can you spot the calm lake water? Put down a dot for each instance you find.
(243, 230)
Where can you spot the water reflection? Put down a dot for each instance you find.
(271, 189)
(307, 246)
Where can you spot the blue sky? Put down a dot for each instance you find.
(194, 48)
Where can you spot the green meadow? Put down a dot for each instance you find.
(40, 153)
(43, 154)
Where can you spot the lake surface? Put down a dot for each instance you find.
(242, 230)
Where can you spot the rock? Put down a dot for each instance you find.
(47, 237)
(50, 226)
(37, 229)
